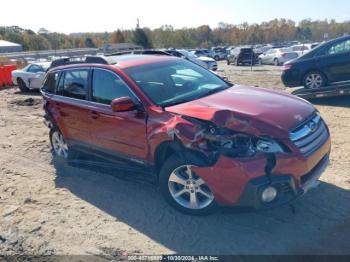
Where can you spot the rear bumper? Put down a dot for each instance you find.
(246, 60)
(291, 78)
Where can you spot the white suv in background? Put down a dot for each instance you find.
(206, 62)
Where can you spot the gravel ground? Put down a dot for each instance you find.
(48, 207)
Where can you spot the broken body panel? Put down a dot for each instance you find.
(254, 112)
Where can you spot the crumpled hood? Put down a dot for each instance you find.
(241, 107)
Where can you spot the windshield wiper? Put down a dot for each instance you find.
(189, 99)
(213, 91)
(177, 102)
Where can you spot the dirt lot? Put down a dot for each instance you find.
(51, 208)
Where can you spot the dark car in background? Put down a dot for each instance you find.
(241, 56)
(324, 65)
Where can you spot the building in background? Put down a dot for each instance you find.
(9, 47)
(120, 47)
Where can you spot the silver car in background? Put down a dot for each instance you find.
(303, 48)
(277, 56)
(30, 77)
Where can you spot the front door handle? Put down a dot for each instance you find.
(94, 115)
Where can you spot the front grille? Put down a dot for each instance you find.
(310, 136)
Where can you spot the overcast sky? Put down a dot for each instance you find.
(108, 15)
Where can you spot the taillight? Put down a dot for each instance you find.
(287, 67)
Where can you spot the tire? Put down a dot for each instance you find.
(174, 179)
(228, 62)
(59, 146)
(236, 62)
(216, 58)
(260, 61)
(22, 85)
(276, 62)
(314, 80)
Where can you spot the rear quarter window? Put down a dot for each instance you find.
(51, 82)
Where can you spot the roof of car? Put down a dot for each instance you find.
(125, 61)
(43, 64)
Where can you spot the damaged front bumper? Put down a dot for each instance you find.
(287, 189)
(241, 182)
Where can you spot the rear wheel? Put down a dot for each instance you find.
(276, 62)
(59, 145)
(22, 85)
(228, 61)
(314, 80)
(216, 58)
(183, 189)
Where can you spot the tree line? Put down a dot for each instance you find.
(274, 31)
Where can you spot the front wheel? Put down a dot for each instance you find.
(276, 62)
(314, 80)
(183, 189)
(22, 85)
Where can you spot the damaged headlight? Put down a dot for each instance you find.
(231, 143)
(268, 146)
(235, 144)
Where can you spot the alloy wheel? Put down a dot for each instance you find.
(188, 189)
(313, 81)
(59, 145)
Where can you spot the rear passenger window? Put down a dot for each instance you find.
(75, 84)
(51, 82)
(107, 86)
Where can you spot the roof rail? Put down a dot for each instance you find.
(141, 52)
(83, 60)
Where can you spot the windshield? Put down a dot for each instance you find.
(175, 82)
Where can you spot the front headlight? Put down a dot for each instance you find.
(241, 145)
(268, 146)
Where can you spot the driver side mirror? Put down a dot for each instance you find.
(123, 104)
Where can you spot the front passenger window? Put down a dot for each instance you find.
(107, 86)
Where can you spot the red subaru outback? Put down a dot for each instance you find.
(209, 142)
